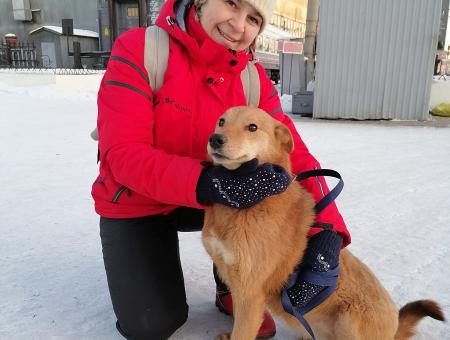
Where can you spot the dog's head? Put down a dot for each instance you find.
(243, 133)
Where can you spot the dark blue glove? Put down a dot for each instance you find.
(320, 259)
(243, 187)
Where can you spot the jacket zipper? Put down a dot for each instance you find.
(118, 193)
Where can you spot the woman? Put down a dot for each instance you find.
(152, 183)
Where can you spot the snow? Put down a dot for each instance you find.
(396, 203)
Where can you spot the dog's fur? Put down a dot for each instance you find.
(256, 249)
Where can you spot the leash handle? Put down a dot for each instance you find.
(332, 195)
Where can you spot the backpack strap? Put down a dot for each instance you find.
(251, 84)
(156, 55)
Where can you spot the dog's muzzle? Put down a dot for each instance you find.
(216, 141)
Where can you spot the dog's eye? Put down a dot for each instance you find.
(252, 128)
(221, 121)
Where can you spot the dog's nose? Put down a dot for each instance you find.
(216, 141)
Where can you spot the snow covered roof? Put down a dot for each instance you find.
(58, 30)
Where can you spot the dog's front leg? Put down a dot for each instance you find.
(248, 314)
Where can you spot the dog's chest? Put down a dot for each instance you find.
(217, 248)
(227, 232)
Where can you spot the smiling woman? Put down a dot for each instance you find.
(152, 180)
(231, 23)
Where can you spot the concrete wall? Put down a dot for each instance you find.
(83, 12)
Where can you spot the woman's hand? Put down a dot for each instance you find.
(318, 272)
(243, 187)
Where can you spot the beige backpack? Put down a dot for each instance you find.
(156, 56)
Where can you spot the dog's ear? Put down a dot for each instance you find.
(284, 136)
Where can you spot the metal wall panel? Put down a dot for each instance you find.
(375, 58)
(295, 71)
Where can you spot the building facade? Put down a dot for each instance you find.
(39, 22)
(290, 16)
(102, 21)
(22, 17)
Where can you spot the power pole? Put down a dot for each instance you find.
(312, 17)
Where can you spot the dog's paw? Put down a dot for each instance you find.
(225, 336)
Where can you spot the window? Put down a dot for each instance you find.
(132, 12)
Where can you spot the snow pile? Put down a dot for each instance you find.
(396, 203)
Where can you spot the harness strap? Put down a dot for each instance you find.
(332, 195)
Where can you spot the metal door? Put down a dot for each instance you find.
(48, 54)
(127, 12)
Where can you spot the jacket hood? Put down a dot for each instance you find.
(177, 17)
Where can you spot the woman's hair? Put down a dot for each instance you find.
(264, 7)
(198, 6)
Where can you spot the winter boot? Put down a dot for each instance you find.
(267, 330)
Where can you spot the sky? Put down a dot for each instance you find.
(396, 203)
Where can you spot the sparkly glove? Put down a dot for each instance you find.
(243, 187)
(321, 256)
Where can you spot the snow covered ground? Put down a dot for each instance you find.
(396, 202)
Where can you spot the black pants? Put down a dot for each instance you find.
(143, 269)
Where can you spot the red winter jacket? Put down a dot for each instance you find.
(151, 143)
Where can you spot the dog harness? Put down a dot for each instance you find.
(290, 297)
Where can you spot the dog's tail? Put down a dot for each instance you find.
(412, 313)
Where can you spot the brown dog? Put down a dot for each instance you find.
(256, 249)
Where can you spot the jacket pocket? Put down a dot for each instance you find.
(100, 179)
(119, 192)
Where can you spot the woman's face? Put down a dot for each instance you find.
(231, 23)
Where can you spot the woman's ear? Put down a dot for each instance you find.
(284, 136)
